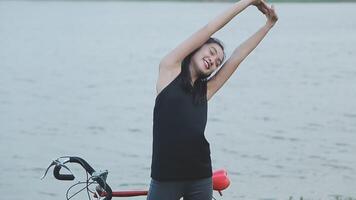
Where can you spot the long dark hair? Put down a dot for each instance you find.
(199, 88)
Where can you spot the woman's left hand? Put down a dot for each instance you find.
(261, 5)
(271, 15)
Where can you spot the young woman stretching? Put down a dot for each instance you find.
(181, 164)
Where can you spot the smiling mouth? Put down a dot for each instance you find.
(206, 64)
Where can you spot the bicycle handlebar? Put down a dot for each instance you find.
(62, 177)
(83, 163)
(99, 177)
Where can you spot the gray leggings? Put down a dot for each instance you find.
(200, 189)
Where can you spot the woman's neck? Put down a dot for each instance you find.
(193, 74)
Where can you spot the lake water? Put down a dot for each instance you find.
(78, 78)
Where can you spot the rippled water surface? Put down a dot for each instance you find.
(78, 78)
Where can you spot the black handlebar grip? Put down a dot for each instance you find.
(64, 177)
(83, 163)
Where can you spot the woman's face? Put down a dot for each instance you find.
(207, 59)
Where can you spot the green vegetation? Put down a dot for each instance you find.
(332, 197)
(310, 1)
(270, 1)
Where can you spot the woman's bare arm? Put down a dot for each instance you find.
(170, 65)
(198, 38)
(240, 53)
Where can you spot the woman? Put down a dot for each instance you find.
(181, 164)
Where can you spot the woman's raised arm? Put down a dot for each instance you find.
(240, 53)
(197, 39)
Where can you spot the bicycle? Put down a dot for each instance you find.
(103, 190)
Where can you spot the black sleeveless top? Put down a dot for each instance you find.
(180, 149)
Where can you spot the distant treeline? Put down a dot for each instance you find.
(305, 1)
(269, 1)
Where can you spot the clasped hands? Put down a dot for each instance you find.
(268, 11)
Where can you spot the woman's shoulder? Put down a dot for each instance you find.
(165, 77)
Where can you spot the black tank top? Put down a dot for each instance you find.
(180, 149)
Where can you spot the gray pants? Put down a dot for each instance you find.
(200, 189)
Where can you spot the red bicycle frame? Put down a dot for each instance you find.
(220, 179)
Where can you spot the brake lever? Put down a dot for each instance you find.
(56, 163)
(101, 174)
(100, 177)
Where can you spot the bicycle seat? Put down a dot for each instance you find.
(220, 180)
